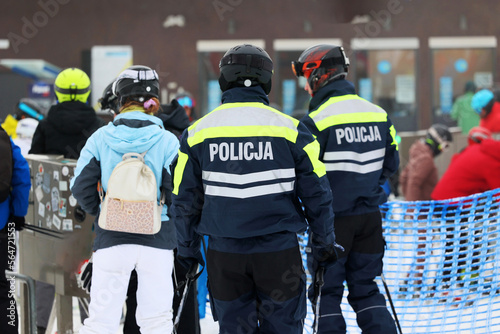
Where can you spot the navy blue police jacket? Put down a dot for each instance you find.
(358, 147)
(240, 172)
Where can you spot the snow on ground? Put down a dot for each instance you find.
(416, 320)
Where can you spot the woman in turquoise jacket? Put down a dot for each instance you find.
(116, 253)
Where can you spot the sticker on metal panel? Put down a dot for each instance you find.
(63, 185)
(62, 207)
(41, 210)
(55, 198)
(72, 200)
(56, 221)
(67, 225)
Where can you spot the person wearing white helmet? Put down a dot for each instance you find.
(24, 134)
(135, 129)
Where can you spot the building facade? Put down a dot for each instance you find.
(412, 57)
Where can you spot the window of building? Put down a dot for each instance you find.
(384, 72)
(455, 61)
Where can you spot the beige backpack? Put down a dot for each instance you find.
(130, 204)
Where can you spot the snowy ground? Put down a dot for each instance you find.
(208, 326)
(474, 312)
(413, 321)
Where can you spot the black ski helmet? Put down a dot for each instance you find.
(438, 138)
(321, 64)
(108, 99)
(244, 66)
(137, 83)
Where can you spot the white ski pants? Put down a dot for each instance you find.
(110, 277)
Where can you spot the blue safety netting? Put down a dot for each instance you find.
(441, 265)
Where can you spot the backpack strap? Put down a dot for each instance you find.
(131, 155)
(100, 190)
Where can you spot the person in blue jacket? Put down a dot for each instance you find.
(116, 254)
(359, 149)
(13, 209)
(238, 178)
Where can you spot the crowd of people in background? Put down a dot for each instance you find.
(472, 169)
(215, 177)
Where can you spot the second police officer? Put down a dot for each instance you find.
(240, 173)
(359, 150)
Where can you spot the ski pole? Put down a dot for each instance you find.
(390, 302)
(191, 276)
(319, 281)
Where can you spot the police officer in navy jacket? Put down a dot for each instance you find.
(242, 175)
(360, 152)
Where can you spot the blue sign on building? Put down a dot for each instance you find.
(40, 90)
(214, 95)
(365, 89)
(384, 67)
(446, 94)
(461, 65)
(289, 88)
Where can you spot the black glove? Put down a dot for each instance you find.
(84, 277)
(19, 222)
(323, 255)
(189, 261)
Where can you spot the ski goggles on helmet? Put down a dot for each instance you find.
(185, 101)
(305, 69)
(442, 144)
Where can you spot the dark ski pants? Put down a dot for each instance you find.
(361, 237)
(258, 293)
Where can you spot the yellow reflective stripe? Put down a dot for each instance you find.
(243, 131)
(348, 117)
(361, 117)
(335, 99)
(231, 125)
(179, 171)
(255, 105)
(393, 135)
(312, 150)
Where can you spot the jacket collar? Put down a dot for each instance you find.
(334, 88)
(245, 94)
(136, 119)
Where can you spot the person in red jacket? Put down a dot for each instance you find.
(472, 171)
(477, 134)
(487, 106)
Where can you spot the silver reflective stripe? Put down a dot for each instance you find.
(243, 116)
(249, 192)
(330, 315)
(138, 74)
(351, 155)
(350, 106)
(250, 177)
(353, 167)
(371, 307)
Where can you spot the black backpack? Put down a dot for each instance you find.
(6, 165)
